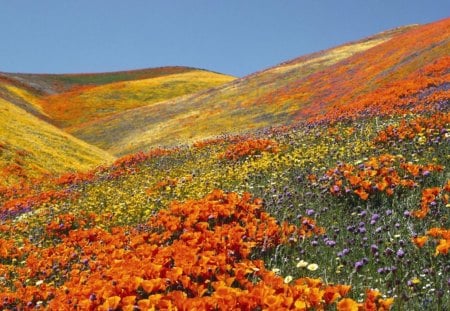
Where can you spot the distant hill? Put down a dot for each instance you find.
(72, 99)
(88, 103)
(22, 95)
(30, 147)
(58, 83)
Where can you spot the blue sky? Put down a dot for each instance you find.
(236, 37)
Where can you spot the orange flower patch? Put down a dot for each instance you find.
(420, 241)
(193, 255)
(384, 173)
(430, 198)
(442, 237)
(444, 241)
(250, 147)
(431, 128)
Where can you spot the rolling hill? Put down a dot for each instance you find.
(73, 99)
(37, 107)
(87, 103)
(394, 67)
(31, 147)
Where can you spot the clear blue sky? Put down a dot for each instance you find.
(237, 37)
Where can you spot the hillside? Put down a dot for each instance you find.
(22, 95)
(389, 66)
(70, 100)
(271, 97)
(316, 216)
(43, 101)
(87, 103)
(30, 147)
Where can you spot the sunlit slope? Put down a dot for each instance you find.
(22, 96)
(232, 107)
(58, 83)
(411, 66)
(30, 147)
(85, 104)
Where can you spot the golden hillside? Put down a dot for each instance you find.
(88, 103)
(30, 147)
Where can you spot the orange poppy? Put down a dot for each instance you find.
(362, 194)
(347, 304)
(420, 241)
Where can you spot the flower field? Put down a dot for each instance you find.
(322, 183)
(341, 216)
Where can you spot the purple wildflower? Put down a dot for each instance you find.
(358, 265)
(374, 248)
(330, 243)
(400, 253)
(388, 251)
(381, 270)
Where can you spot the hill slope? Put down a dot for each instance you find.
(73, 99)
(364, 205)
(22, 95)
(88, 103)
(31, 102)
(30, 147)
(389, 66)
(216, 111)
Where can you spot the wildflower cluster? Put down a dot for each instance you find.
(424, 129)
(250, 147)
(378, 174)
(430, 199)
(117, 238)
(443, 235)
(195, 254)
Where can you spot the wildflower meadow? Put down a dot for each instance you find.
(347, 216)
